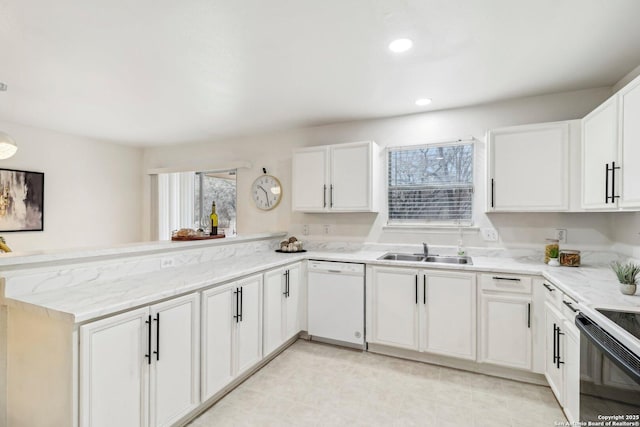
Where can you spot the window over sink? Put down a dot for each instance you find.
(431, 184)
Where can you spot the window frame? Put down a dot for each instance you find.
(413, 224)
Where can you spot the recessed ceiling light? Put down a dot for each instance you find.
(400, 45)
(423, 101)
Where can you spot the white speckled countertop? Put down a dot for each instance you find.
(590, 286)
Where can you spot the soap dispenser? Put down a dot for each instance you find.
(461, 250)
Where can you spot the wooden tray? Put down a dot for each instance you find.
(189, 238)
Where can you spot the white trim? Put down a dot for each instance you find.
(438, 229)
(237, 164)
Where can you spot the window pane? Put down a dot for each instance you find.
(431, 184)
(221, 188)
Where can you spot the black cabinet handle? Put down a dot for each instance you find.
(148, 355)
(555, 346)
(606, 183)
(288, 283)
(241, 305)
(331, 196)
(529, 315)
(424, 289)
(492, 192)
(416, 289)
(568, 304)
(324, 196)
(613, 182)
(237, 315)
(512, 279)
(549, 288)
(558, 361)
(157, 352)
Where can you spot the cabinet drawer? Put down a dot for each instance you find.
(505, 283)
(552, 294)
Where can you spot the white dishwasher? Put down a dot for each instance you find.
(336, 302)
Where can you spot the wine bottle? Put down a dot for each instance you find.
(214, 220)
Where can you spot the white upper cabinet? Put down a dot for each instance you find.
(336, 178)
(629, 145)
(310, 179)
(528, 168)
(611, 152)
(599, 152)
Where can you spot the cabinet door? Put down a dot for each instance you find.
(529, 168)
(630, 145)
(292, 302)
(571, 371)
(505, 330)
(175, 369)
(351, 177)
(450, 314)
(394, 307)
(249, 328)
(554, 347)
(114, 371)
(274, 289)
(218, 326)
(599, 142)
(309, 179)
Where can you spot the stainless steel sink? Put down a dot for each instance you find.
(449, 259)
(396, 256)
(393, 256)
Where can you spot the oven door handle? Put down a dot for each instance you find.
(623, 358)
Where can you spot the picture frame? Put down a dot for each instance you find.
(21, 200)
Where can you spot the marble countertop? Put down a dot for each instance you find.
(591, 286)
(18, 260)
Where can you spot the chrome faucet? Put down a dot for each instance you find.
(425, 249)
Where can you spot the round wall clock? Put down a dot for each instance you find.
(266, 192)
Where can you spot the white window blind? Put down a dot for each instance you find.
(431, 184)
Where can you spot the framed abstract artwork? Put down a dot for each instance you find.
(21, 200)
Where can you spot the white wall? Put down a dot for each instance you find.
(273, 151)
(92, 193)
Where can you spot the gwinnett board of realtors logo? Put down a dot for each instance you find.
(605, 421)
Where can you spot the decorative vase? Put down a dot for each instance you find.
(553, 262)
(627, 289)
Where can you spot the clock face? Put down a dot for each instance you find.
(266, 192)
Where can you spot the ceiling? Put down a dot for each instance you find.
(152, 72)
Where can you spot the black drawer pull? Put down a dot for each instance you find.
(549, 288)
(511, 279)
(568, 304)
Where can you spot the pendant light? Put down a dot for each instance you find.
(8, 146)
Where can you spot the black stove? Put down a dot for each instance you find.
(629, 321)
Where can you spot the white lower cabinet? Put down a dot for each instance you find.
(506, 321)
(562, 362)
(571, 371)
(554, 350)
(449, 307)
(423, 310)
(393, 313)
(231, 332)
(282, 305)
(141, 368)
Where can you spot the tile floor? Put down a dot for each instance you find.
(313, 384)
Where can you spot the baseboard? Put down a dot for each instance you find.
(465, 365)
